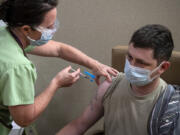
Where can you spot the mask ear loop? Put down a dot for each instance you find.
(37, 29)
(40, 29)
(30, 38)
(155, 71)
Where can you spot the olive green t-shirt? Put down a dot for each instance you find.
(126, 113)
(17, 77)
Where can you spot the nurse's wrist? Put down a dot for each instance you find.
(93, 64)
(54, 84)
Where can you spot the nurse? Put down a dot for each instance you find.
(31, 25)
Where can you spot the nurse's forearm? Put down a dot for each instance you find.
(74, 55)
(42, 100)
(65, 51)
(24, 115)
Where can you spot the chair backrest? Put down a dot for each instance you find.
(172, 75)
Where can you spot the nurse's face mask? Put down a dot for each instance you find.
(46, 34)
(139, 76)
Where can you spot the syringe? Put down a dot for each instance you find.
(81, 74)
(86, 75)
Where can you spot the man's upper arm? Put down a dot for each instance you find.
(95, 110)
(90, 116)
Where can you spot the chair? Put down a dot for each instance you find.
(171, 76)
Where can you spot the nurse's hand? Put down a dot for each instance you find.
(103, 70)
(66, 78)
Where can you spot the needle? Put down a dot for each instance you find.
(83, 75)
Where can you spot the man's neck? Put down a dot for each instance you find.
(144, 90)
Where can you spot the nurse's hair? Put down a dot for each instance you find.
(16, 13)
(156, 37)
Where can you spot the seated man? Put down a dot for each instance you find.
(127, 102)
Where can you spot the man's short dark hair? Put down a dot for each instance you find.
(156, 37)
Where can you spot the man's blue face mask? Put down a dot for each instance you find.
(139, 76)
(46, 35)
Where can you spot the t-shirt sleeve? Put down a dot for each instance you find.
(29, 48)
(115, 82)
(18, 85)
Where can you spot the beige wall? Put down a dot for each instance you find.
(95, 26)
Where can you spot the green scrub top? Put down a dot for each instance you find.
(17, 78)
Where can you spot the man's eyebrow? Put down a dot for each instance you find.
(138, 60)
(143, 62)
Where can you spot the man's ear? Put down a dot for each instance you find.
(164, 66)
